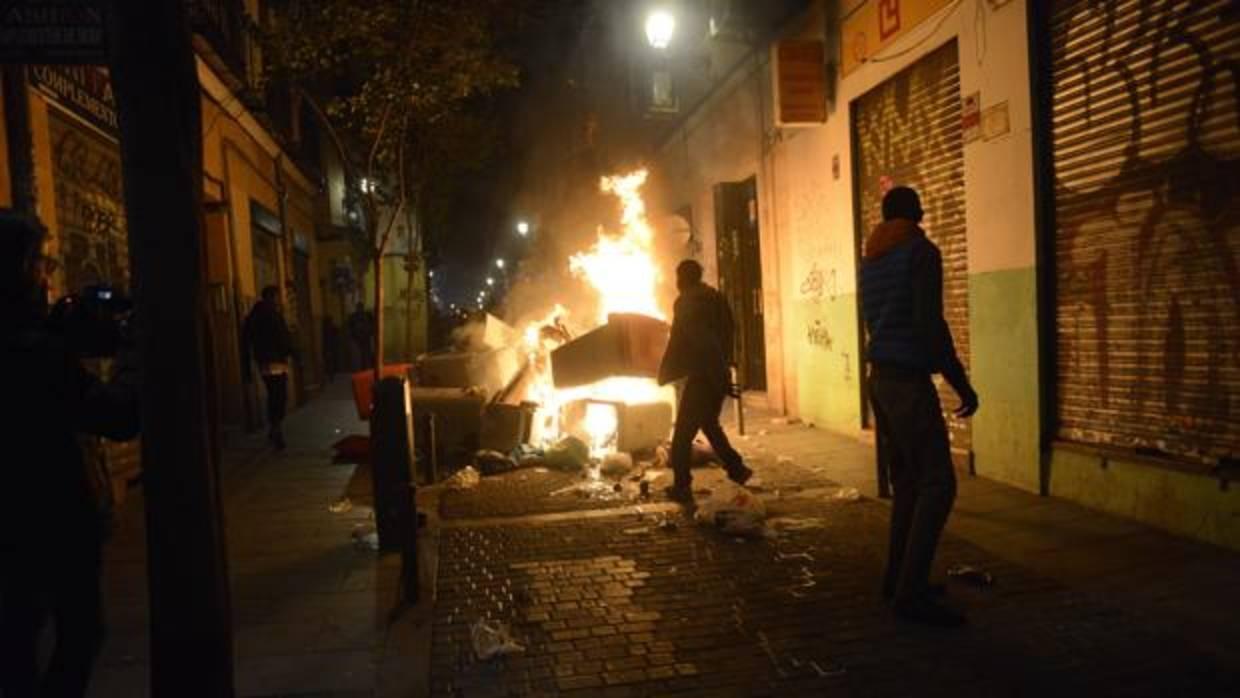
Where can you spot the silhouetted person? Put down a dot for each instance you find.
(699, 351)
(909, 341)
(51, 526)
(331, 348)
(362, 330)
(266, 340)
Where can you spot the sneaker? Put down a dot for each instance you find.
(741, 475)
(679, 493)
(932, 613)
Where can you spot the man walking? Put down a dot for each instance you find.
(699, 351)
(362, 328)
(266, 340)
(909, 341)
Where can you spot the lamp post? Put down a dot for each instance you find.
(523, 228)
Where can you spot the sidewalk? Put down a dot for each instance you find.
(310, 609)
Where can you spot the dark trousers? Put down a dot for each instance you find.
(914, 443)
(66, 591)
(700, 404)
(277, 399)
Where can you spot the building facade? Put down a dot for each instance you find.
(1078, 165)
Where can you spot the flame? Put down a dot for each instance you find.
(622, 270)
(620, 267)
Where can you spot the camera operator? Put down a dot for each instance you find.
(51, 530)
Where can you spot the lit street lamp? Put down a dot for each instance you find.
(523, 228)
(660, 26)
(490, 281)
(499, 263)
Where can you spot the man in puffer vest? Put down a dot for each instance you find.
(909, 341)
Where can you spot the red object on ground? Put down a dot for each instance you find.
(364, 387)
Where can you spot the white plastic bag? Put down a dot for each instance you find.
(492, 639)
(463, 479)
(734, 510)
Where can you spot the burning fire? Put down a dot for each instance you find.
(622, 270)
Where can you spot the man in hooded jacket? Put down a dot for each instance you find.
(909, 341)
(700, 352)
(266, 340)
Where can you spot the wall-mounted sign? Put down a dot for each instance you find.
(971, 117)
(84, 90)
(874, 24)
(52, 31)
(995, 121)
(800, 82)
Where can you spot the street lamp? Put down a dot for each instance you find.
(490, 281)
(499, 263)
(660, 26)
(523, 228)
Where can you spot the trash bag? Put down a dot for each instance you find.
(616, 465)
(492, 639)
(493, 462)
(569, 454)
(734, 510)
(463, 479)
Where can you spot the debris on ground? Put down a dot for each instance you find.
(703, 454)
(616, 465)
(341, 506)
(493, 462)
(971, 575)
(783, 460)
(492, 639)
(569, 454)
(795, 523)
(463, 479)
(592, 488)
(528, 456)
(847, 494)
(365, 537)
(734, 510)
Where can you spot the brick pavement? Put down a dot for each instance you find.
(617, 604)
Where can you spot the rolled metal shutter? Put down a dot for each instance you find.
(907, 131)
(1146, 145)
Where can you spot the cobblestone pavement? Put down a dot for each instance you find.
(622, 606)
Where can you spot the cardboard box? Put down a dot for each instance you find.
(628, 345)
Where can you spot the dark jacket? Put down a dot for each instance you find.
(902, 301)
(702, 337)
(265, 337)
(52, 504)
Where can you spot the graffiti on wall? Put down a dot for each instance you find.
(1147, 164)
(90, 210)
(819, 284)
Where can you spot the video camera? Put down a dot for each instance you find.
(94, 323)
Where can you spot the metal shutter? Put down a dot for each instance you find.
(907, 131)
(1146, 141)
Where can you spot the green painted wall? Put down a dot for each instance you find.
(1188, 504)
(823, 334)
(1003, 336)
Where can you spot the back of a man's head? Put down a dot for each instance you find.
(21, 241)
(688, 274)
(902, 202)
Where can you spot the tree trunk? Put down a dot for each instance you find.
(158, 102)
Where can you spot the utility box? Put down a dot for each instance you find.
(628, 345)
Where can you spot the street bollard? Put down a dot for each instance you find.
(392, 469)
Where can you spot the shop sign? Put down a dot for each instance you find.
(84, 90)
(52, 31)
(874, 24)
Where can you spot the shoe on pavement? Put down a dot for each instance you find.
(933, 592)
(932, 613)
(741, 475)
(679, 493)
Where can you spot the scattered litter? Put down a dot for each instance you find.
(796, 523)
(644, 489)
(847, 494)
(616, 465)
(636, 530)
(493, 462)
(666, 523)
(590, 488)
(463, 479)
(734, 510)
(492, 639)
(568, 454)
(340, 506)
(971, 575)
(783, 460)
(702, 454)
(783, 421)
(365, 537)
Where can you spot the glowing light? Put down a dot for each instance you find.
(523, 228)
(499, 263)
(660, 26)
(490, 281)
